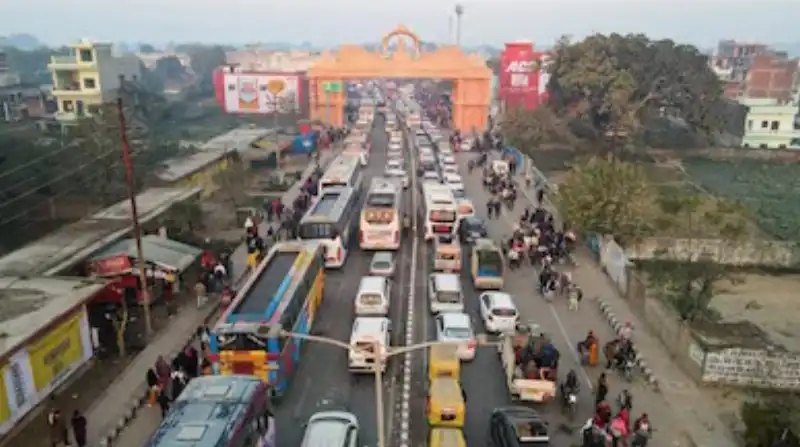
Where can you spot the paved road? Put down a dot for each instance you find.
(106, 412)
(483, 379)
(322, 381)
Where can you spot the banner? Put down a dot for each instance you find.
(520, 76)
(58, 353)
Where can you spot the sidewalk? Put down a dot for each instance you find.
(698, 416)
(110, 414)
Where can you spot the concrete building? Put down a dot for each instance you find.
(88, 77)
(754, 70)
(771, 124)
(19, 101)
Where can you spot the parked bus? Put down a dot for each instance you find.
(217, 411)
(441, 210)
(285, 289)
(382, 215)
(344, 172)
(333, 220)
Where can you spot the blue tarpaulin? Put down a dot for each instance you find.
(509, 151)
(304, 144)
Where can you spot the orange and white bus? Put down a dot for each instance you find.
(381, 216)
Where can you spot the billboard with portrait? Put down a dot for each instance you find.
(259, 93)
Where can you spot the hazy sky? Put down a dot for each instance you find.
(328, 23)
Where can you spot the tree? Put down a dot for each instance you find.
(146, 48)
(527, 130)
(688, 281)
(608, 196)
(768, 418)
(206, 59)
(615, 83)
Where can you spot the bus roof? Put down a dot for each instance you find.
(207, 411)
(383, 185)
(341, 168)
(329, 207)
(274, 279)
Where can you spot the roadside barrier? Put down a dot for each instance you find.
(617, 326)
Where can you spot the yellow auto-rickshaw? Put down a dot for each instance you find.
(443, 362)
(446, 406)
(446, 437)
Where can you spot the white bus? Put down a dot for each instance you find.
(441, 210)
(381, 216)
(332, 220)
(344, 172)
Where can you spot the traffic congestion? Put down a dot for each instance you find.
(421, 303)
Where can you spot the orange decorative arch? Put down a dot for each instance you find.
(471, 77)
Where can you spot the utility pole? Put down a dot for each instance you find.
(137, 231)
(459, 12)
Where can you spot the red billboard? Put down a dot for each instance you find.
(521, 82)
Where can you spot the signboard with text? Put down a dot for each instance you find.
(257, 93)
(522, 81)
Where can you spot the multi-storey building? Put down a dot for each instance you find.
(753, 70)
(771, 124)
(88, 77)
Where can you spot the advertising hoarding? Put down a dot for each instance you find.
(522, 82)
(33, 372)
(261, 93)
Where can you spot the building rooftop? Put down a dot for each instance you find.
(73, 243)
(237, 140)
(30, 304)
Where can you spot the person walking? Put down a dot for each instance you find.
(78, 422)
(59, 434)
(602, 389)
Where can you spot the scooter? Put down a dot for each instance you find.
(641, 437)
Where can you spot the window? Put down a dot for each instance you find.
(749, 124)
(68, 106)
(774, 125)
(231, 87)
(86, 56)
(93, 109)
(764, 124)
(89, 83)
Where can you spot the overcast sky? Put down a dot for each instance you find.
(332, 22)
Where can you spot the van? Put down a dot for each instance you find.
(446, 403)
(446, 437)
(444, 293)
(373, 295)
(367, 334)
(443, 362)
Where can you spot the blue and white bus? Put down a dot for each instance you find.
(345, 171)
(332, 220)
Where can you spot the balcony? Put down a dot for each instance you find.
(69, 62)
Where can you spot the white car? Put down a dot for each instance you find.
(446, 151)
(454, 181)
(426, 151)
(394, 163)
(498, 312)
(447, 159)
(395, 146)
(449, 169)
(399, 174)
(393, 153)
(456, 327)
(431, 176)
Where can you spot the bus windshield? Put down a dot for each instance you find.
(443, 216)
(380, 200)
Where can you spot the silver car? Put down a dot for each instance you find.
(456, 327)
(382, 264)
(331, 428)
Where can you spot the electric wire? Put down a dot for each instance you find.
(57, 178)
(61, 193)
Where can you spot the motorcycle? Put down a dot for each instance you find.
(627, 369)
(570, 403)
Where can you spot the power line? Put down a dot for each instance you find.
(56, 179)
(61, 193)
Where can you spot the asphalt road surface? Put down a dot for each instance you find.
(483, 379)
(322, 381)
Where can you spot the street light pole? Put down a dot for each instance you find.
(379, 363)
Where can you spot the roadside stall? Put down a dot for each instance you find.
(167, 263)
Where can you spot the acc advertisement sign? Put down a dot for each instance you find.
(31, 374)
(522, 83)
(261, 93)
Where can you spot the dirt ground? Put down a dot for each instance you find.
(769, 301)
